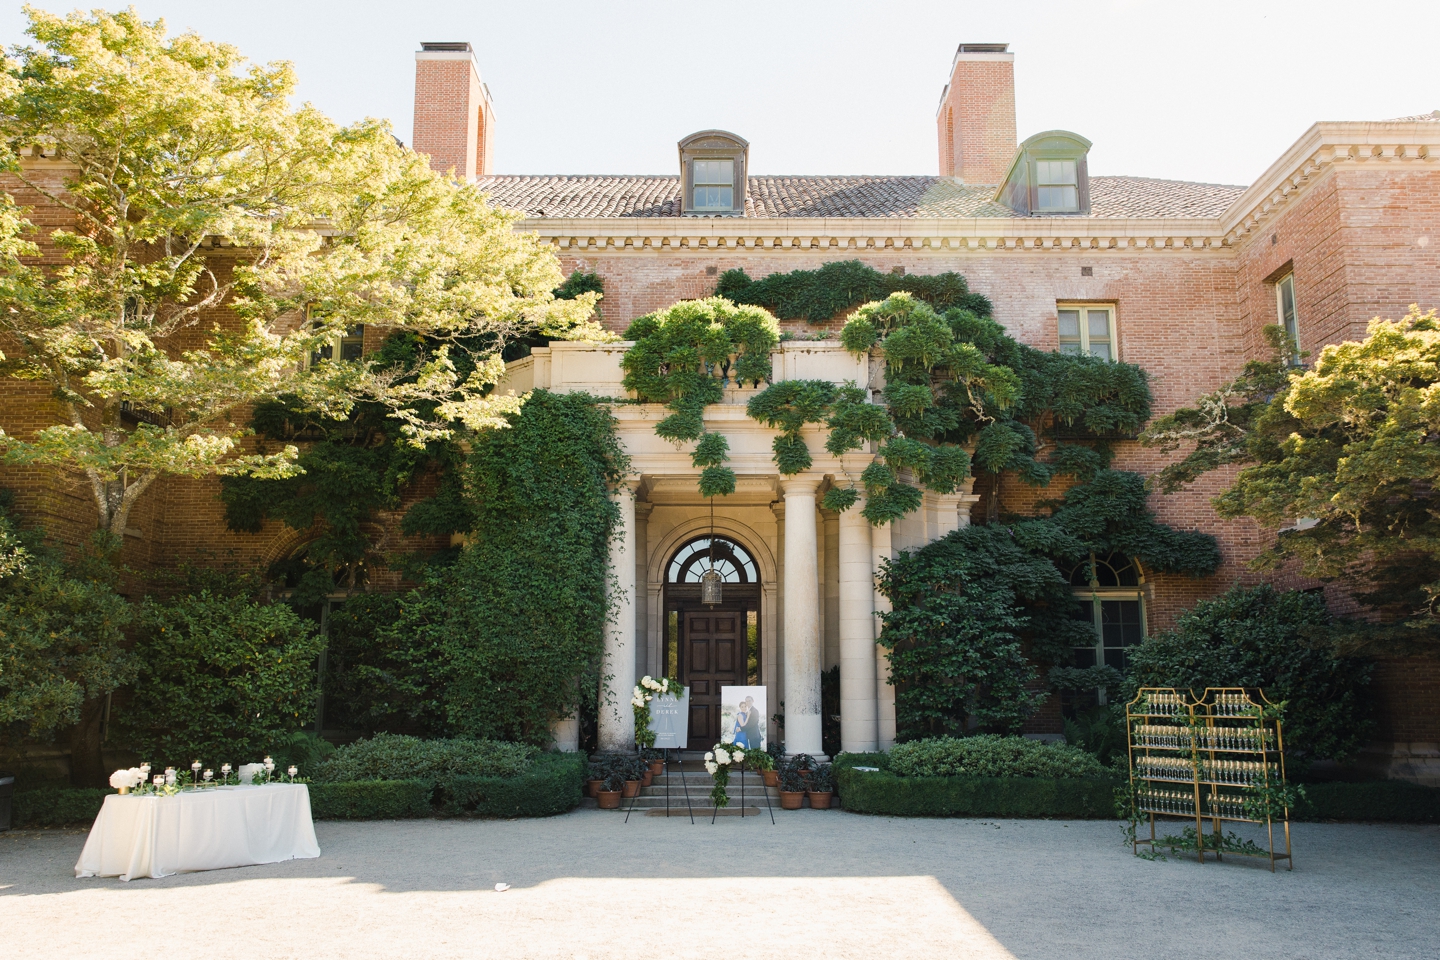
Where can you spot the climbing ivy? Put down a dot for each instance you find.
(519, 618)
(683, 357)
(977, 613)
(822, 294)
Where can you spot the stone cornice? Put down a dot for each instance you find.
(1325, 146)
(641, 235)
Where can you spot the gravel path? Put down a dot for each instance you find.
(819, 884)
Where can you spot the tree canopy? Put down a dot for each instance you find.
(221, 242)
(1343, 459)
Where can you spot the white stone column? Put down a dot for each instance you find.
(884, 693)
(802, 619)
(859, 732)
(616, 720)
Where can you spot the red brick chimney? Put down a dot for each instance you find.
(454, 119)
(976, 122)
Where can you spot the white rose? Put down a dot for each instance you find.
(728, 738)
(721, 756)
(739, 756)
(121, 779)
(709, 757)
(710, 767)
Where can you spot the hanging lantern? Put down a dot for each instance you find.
(710, 589)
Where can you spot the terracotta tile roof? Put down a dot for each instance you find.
(861, 196)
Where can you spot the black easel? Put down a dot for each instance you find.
(686, 787)
(716, 812)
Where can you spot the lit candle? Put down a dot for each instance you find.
(293, 770)
(224, 769)
(209, 774)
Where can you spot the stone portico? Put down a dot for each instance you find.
(813, 582)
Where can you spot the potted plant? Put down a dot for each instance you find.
(610, 790)
(820, 787)
(802, 763)
(594, 777)
(765, 763)
(633, 770)
(792, 789)
(656, 759)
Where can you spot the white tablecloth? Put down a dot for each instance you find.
(199, 830)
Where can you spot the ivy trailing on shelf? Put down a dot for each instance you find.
(822, 294)
(683, 357)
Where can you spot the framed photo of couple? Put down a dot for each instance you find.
(743, 717)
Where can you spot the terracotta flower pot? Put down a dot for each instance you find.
(649, 778)
(657, 767)
(609, 799)
(592, 787)
(632, 789)
(771, 777)
(790, 799)
(820, 801)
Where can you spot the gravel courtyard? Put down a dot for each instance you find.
(818, 884)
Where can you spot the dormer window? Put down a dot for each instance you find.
(1049, 176)
(712, 174)
(1055, 187)
(714, 186)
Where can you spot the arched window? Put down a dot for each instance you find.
(693, 559)
(1108, 595)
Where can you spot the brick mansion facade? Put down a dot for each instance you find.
(1177, 277)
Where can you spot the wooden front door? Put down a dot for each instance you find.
(714, 657)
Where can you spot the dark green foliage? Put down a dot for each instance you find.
(352, 468)
(552, 784)
(992, 756)
(830, 710)
(1099, 730)
(580, 282)
(1376, 801)
(882, 793)
(787, 406)
(69, 807)
(377, 679)
(519, 617)
(822, 294)
(717, 482)
(61, 633)
(1258, 637)
(391, 757)
(372, 800)
(970, 612)
(840, 499)
(220, 678)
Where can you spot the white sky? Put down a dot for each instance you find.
(1211, 91)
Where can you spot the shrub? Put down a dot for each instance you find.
(391, 757)
(1256, 637)
(988, 755)
(57, 808)
(223, 678)
(380, 679)
(1379, 801)
(551, 784)
(885, 794)
(371, 800)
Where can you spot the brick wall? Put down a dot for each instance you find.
(454, 121)
(975, 126)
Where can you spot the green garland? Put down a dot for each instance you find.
(683, 357)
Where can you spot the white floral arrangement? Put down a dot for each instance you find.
(718, 762)
(171, 782)
(646, 690)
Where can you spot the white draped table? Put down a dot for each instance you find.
(205, 829)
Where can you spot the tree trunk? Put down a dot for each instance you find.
(87, 767)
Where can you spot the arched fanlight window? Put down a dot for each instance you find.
(1109, 595)
(691, 561)
(1113, 570)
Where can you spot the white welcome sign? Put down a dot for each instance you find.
(670, 720)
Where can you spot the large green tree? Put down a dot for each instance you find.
(1344, 459)
(198, 193)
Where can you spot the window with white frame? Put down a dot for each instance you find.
(1285, 311)
(713, 185)
(1086, 329)
(349, 345)
(1057, 189)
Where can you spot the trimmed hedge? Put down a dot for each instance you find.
(884, 793)
(553, 784)
(371, 800)
(66, 807)
(1377, 801)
